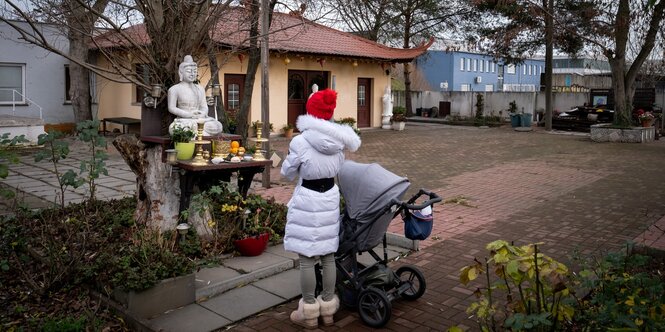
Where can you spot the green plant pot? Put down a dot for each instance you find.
(515, 120)
(185, 151)
(526, 120)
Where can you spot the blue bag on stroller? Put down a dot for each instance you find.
(417, 226)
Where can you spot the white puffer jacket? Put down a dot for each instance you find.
(312, 227)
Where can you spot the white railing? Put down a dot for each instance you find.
(21, 101)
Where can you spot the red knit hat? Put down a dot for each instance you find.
(322, 104)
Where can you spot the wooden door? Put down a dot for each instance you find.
(364, 101)
(299, 88)
(233, 89)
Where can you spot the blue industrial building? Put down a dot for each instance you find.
(467, 71)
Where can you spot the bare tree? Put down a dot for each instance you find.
(626, 33)
(513, 30)
(403, 23)
(368, 18)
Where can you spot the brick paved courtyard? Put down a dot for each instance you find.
(560, 189)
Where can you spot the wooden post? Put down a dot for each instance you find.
(265, 100)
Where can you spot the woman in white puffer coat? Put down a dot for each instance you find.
(312, 227)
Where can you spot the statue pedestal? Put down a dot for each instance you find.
(385, 121)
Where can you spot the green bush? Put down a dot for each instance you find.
(532, 292)
(625, 293)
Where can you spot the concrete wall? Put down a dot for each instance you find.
(44, 75)
(464, 103)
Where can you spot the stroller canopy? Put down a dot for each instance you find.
(368, 188)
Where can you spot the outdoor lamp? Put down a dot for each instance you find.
(216, 90)
(182, 230)
(355, 63)
(155, 93)
(287, 60)
(156, 90)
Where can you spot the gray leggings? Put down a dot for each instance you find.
(308, 277)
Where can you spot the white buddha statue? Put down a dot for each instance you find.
(187, 101)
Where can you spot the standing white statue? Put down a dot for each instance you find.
(187, 101)
(315, 89)
(387, 101)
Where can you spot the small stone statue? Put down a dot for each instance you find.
(187, 101)
(387, 100)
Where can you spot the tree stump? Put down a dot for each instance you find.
(157, 188)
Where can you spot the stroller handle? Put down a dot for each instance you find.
(433, 198)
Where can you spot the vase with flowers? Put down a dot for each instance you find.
(646, 118)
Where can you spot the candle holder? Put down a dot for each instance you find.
(200, 159)
(258, 153)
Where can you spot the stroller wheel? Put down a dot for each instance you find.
(411, 282)
(374, 307)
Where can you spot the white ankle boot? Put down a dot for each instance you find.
(328, 309)
(307, 315)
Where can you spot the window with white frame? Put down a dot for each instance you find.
(493, 64)
(474, 66)
(461, 64)
(468, 64)
(541, 69)
(489, 87)
(12, 83)
(510, 69)
(524, 69)
(529, 68)
(465, 87)
(482, 66)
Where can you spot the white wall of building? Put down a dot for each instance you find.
(44, 74)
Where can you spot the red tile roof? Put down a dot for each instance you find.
(289, 33)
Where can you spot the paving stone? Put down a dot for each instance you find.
(242, 302)
(191, 318)
(282, 284)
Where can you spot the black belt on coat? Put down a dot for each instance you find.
(320, 185)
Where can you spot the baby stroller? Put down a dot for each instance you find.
(372, 198)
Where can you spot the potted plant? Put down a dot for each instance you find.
(182, 139)
(646, 118)
(515, 119)
(256, 226)
(288, 130)
(398, 119)
(237, 223)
